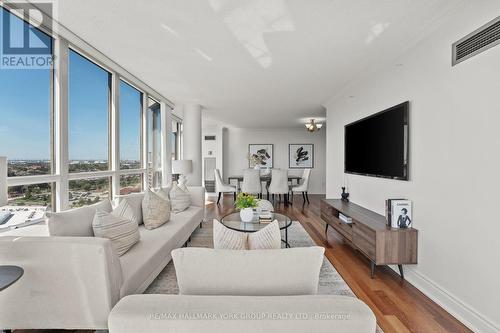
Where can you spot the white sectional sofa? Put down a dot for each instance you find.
(74, 282)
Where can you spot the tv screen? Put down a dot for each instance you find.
(378, 145)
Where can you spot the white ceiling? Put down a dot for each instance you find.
(251, 63)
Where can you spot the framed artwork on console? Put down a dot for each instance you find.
(301, 156)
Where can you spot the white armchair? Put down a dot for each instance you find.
(303, 186)
(221, 187)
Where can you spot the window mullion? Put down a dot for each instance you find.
(166, 147)
(61, 152)
(115, 134)
(144, 140)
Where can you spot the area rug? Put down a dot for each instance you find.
(330, 281)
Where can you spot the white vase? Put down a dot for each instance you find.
(246, 214)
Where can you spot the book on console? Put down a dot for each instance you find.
(399, 213)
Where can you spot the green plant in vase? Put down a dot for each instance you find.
(246, 203)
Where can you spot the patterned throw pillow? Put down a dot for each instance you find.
(228, 239)
(267, 238)
(122, 232)
(179, 198)
(155, 210)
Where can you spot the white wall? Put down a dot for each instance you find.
(236, 141)
(454, 163)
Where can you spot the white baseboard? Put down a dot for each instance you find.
(457, 308)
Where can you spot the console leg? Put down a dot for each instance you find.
(326, 228)
(372, 267)
(401, 272)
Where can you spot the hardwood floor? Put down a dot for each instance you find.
(398, 306)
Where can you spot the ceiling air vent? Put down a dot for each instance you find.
(477, 41)
(209, 137)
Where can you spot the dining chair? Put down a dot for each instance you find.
(251, 182)
(303, 186)
(279, 184)
(222, 187)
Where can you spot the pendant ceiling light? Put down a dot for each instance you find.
(313, 126)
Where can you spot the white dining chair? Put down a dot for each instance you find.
(222, 187)
(251, 182)
(303, 186)
(279, 184)
(265, 205)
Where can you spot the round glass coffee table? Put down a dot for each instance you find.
(233, 221)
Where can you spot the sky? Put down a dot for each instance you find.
(25, 113)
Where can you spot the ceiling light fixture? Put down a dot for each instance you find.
(313, 126)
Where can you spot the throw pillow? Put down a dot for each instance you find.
(125, 210)
(266, 239)
(228, 239)
(164, 192)
(135, 202)
(75, 222)
(180, 198)
(122, 232)
(155, 210)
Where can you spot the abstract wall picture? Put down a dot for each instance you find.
(301, 156)
(260, 154)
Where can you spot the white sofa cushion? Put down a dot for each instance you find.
(203, 271)
(146, 259)
(122, 231)
(267, 238)
(228, 239)
(137, 313)
(155, 210)
(135, 202)
(76, 222)
(180, 199)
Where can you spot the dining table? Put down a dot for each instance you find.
(263, 178)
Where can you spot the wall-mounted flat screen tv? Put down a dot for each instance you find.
(378, 145)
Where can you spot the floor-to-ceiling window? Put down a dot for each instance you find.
(26, 129)
(89, 112)
(59, 129)
(131, 109)
(89, 97)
